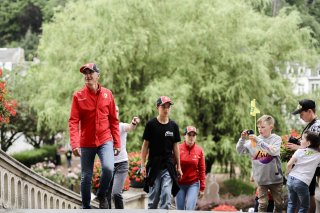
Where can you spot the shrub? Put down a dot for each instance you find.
(243, 202)
(286, 154)
(29, 158)
(96, 177)
(48, 170)
(7, 105)
(237, 187)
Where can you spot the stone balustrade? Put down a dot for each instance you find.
(20, 187)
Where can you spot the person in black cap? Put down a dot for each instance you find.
(94, 130)
(161, 137)
(307, 111)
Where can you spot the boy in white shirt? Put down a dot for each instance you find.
(305, 161)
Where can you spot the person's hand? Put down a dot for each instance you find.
(116, 151)
(143, 171)
(201, 193)
(179, 171)
(253, 137)
(244, 134)
(76, 152)
(292, 146)
(135, 121)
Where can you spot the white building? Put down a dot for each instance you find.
(303, 78)
(11, 58)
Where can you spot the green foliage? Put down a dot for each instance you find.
(21, 22)
(310, 16)
(29, 158)
(237, 187)
(210, 57)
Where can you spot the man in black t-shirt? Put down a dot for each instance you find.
(307, 111)
(161, 137)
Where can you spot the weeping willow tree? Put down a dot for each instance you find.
(210, 57)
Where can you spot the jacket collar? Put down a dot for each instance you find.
(188, 147)
(90, 91)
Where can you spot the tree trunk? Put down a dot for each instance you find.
(276, 5)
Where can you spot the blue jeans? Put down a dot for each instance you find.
(187, 196)
(106, 155)
(298, 191)
(161, 191)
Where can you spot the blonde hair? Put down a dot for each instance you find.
(266, 118)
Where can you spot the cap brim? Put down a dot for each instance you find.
(82, 69)
(191, 131)
(166, 103)
(298, 111)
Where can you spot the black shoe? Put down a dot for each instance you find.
(103, 202)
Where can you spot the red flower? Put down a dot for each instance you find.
(134, 166)
(7, 106)
(225, 208)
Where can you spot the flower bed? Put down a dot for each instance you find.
(225, 208)
(71, 180)
(96, 178)
(134, 169)
(286, 154)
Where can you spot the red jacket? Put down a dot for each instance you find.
(93, 119)
(192, 165)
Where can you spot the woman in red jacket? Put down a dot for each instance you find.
(193, 181)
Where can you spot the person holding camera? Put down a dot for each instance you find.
(266, 164)
(121, 166)
(306, 160)
(307, 111)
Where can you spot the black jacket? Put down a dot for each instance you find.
(154, 167)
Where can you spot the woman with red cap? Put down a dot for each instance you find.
(193, 181)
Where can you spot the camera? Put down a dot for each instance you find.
(250, 132)
(294, 140)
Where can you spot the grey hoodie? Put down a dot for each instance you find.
(265, 157)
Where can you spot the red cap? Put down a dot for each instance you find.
(163, 100)
(90, 66)
(189, 129)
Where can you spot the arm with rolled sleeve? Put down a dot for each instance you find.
(74, 122)
(114, 123)
(202, 172)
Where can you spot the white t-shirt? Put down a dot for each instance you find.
(306, 164)
(123, 155)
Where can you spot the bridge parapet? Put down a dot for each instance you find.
(23, 188)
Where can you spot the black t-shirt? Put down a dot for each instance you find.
(161, 138)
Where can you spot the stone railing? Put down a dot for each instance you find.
(22, 188)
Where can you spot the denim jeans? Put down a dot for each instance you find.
(106, 155)
(298, 191)
(115, 190)
(187, 196)
(161, 191)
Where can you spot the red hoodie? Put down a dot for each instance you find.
(93, 119)
(192, 165)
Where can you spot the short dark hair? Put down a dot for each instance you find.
(313, 138)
